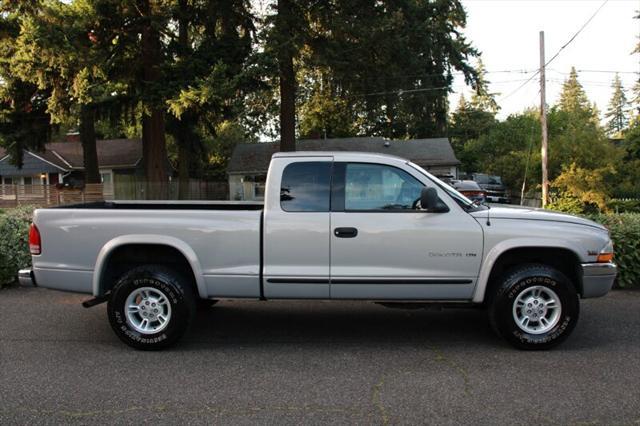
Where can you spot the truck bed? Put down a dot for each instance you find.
(167, 205)
(221, 238)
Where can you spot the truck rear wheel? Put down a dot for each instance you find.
(151, 307)
(535, 307)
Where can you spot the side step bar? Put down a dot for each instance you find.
(96, 300)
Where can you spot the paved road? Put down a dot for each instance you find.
(314, 362)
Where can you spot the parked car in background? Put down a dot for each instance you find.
(494, 189)
(471, 190)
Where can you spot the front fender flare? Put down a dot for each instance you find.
(496, 251)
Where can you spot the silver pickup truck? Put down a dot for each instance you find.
(333, 226)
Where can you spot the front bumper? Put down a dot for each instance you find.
(26, 277)
(597, 279)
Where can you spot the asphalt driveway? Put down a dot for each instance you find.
(314, 362)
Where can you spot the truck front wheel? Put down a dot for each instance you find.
(535, 307)
(151, 307)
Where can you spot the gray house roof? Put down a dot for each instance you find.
(67, 156)
(255, 158)
(32, 164)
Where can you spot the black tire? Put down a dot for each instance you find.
(181, 301)
(515, 283)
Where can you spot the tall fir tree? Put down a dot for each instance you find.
(57, 51)
(482, 99)
(209, 75)
(24, 117)
(616, 115)
(390, 62)
(573, 98)
(635, 100)
(287, 34)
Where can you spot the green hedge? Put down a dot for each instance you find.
(625, 233)
(631, 205)
(14, 244)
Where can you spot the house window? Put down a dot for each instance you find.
(8, 180)
(253, 187)
(106, 177)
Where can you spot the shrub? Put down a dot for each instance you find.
(569, 205)
(625, 233)
(14, 244)
(577, 190)
(625, 205)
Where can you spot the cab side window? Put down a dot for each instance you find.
(306, 187)
(375, 187)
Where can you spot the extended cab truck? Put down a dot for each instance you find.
(333, 226)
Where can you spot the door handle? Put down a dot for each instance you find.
(345, 232)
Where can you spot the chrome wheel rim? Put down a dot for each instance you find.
(148, 310)
(537, 310)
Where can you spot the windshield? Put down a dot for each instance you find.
(480, 178)
(463, 201)
(483, 179)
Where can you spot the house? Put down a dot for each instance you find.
(247, 169)
(62, 162)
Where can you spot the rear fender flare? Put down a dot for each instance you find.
(150, 239)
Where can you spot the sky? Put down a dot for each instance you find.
(507, 34)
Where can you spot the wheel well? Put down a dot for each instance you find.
(127, 257)
(564, 260)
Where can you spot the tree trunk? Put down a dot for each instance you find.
(184, 122)
(88, 140)
(184, 158)
(287, 78)
(155, 154)
(153, 125)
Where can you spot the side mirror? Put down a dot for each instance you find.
(430, 202)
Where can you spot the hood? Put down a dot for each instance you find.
(535, 214)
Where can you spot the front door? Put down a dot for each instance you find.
(384, 247)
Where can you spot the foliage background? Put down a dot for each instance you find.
(14, 244)
(625, 233)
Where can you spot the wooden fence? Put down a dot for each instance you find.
(194, 190)
(53, 195)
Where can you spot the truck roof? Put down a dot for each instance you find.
(338, 154)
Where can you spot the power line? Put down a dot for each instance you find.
(401, 92)
(519, 87)
(599, 71)
(558, 52)
(425, 89)
(578, 32)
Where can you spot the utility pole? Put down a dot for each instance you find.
(543, 124)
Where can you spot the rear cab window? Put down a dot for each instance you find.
(306, 187)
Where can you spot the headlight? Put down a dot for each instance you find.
(606, 254)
